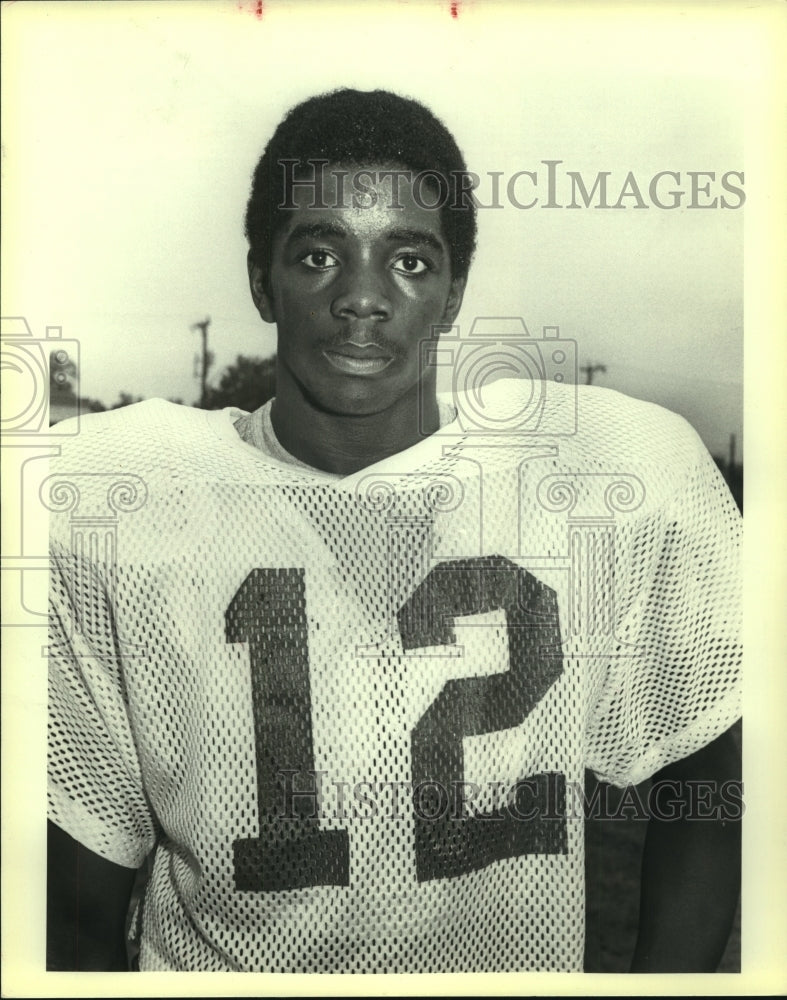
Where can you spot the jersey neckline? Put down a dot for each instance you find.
(222, 424)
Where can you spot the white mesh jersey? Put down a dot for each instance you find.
(352, 717)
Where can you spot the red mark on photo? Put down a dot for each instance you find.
(454, 9)
(252, 8)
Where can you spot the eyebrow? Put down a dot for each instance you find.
(416, 236)
(315, 230)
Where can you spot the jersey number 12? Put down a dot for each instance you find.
(268, 612)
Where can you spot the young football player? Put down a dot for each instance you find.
(338, 668)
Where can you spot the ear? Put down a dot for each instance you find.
(259, 290)
(454, 301)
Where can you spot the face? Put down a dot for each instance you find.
(354, 291)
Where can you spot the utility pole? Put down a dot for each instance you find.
(732, 451)
(590, 370)
(203, 328)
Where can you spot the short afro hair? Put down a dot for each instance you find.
(360, 128)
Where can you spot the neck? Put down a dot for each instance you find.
(343, 444)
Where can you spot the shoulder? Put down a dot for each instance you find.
(138, 436)
(148, 414)
(152, 459)
(591, 431)
(613, 421)
(585, 418)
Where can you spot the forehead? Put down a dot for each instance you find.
(363, 199)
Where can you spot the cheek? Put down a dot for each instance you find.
(427, 309)
(307, 295)
(297, 312)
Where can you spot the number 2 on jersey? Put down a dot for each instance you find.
(269, 613)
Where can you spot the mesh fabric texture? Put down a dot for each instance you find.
(351, 718)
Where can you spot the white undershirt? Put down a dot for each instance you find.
(257, 429)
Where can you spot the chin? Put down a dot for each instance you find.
(361, 405)
(352, 398)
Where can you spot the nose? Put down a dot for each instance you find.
(362, 294)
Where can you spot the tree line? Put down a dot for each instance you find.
(247, 383)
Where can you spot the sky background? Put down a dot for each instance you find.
(137, 126)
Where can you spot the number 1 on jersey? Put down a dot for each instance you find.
(269, 613)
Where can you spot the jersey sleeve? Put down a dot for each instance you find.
(95, 787)
(673, 683)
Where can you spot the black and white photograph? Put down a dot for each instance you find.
(377, 604)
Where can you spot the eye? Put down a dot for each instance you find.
(409, 263)
(319, 260)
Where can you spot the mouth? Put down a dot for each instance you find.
(352, 360)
